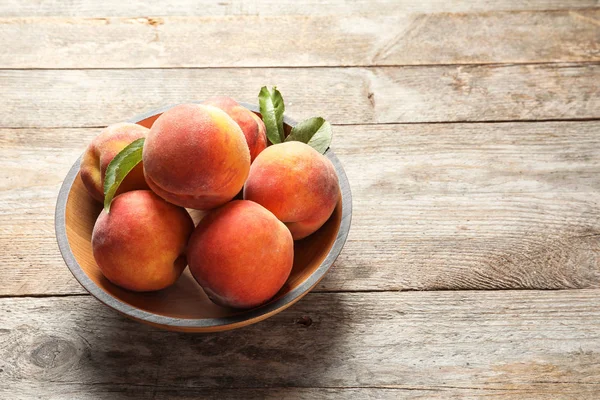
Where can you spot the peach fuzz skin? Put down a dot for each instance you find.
(241, 254)
(196, 156)
(100, 153)
(140, 244)
(297, 184)
(252, 126)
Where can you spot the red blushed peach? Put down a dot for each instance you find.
(140, 245)
(100, 153)
(297, 184)
(241, 254)
(196, 156)
(252, 126)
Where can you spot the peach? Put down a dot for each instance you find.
(241, 254)
(196, 156)
(251, 124)
(100, 153)
(140, 244)
(297, 184)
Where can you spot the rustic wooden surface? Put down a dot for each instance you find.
(413, 343)
(469, 131)
(71, 42)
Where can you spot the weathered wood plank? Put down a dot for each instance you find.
(436, 206)
(75, 98)
(393, 39)
(532, 343)
(59, 391)
(116, 8)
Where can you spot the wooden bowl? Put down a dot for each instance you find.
(184, 306)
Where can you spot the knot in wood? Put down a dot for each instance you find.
(53, 353)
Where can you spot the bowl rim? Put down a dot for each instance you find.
(222, 323)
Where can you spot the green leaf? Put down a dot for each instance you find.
(271, 109)
(119, 167)
(316, 132)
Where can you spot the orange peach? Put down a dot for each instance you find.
(100, 153)
(252, 126)
(196, 156)
(297, 184)
(140, 244)
(241, 254)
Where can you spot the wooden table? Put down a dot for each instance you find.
(470, 132)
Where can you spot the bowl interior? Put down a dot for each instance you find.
(185, 299)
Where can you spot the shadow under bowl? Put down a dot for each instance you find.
(184, 306)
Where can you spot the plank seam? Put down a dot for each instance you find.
(436, 388)
(490, 121)
(338, 66)
(357, 291)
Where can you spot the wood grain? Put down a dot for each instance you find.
(76, 98)
(436, 206)
(393, 39)
(532, 344)
(54, 391)
(116, 8)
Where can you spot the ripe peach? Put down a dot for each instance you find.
(140, 245)
(252, 126)
(100, 153)
(241, 254)
(196, 156)
(297, 184)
